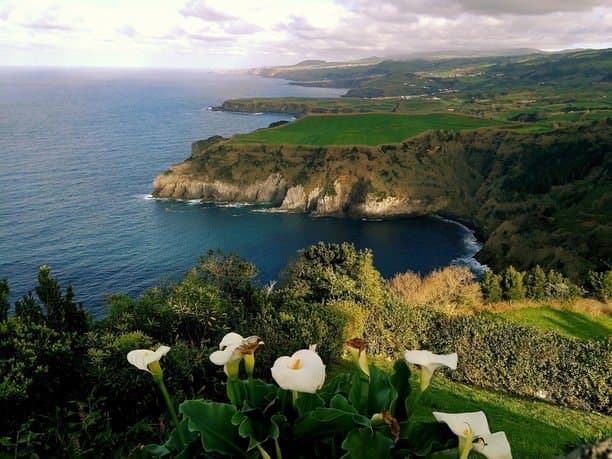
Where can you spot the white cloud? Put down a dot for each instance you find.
(239, 33)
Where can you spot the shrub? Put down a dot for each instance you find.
(512, 284)
(451, 289)
(490, 286)
(505, 356)
(599, 284)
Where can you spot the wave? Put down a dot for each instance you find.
(471, 244)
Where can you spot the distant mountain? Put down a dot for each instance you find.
(447, 54)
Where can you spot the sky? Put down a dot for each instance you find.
(232, 34)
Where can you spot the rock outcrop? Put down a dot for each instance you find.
(528, 195)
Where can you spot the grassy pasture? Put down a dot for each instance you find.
(363, 129)
(535, 429)
(565, 322)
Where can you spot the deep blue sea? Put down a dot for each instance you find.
(80, 148)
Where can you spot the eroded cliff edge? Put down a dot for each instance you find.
(535, 198)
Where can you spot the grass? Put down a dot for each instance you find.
(565, 322)
(534, 429)
(365, 129)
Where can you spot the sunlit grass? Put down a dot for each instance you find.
(365, 129)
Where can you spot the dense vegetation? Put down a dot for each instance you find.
(370, 129)
(479, 75)
(71, 391)
(536, 198)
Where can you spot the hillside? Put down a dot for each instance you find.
(534, 197)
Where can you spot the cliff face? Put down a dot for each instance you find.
(536, 198)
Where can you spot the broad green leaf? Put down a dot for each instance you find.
(366, 444)
(358, 393)
(308, 402)
(322, 422)
(339, 384)
(174, 442)
(212, 421)
(259, 394)
(424, 438)
(400, 381)
(341, 403)
(155, 450)
(381, 393)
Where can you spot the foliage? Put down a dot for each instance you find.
(352, 415)
(535, 284)
(452, 289)
(490, 285)
(501, 355)
(512, 284)
(599, 284)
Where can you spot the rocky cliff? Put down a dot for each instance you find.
(535, 198)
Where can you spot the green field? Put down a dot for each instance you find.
(366, 129)
(568, 323)
(535, 429)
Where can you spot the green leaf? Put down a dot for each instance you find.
(323, 422)
(425, 438)
(381, 393)
(366, 444)
(341, 403)
(358, 393)
(174, 441)
(339, 384)
(308, 402)
(155, 450)
(212, 421)
(258, 393)
(400, 381)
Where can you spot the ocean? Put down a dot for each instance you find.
(79, 149)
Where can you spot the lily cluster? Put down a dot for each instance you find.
(305, 372)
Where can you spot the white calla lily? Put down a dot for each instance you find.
(474, 434)
(145, 359)
(429, 363)
(233, 348)
(304, 371)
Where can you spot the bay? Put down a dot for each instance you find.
(79, 149)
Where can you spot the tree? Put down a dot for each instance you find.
(512, 284)
(490, 285)
(4, 302)
(535, 283)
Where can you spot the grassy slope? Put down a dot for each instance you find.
(565, 322)
(535, 429)
(367, 129)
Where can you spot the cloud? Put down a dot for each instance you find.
(127, 30)
(199, 9)
(241, 28)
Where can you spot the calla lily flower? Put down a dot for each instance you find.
(233, 348)
(474, 434)
(147, 360)
(358, 347)
(429, 363)
(304, 371)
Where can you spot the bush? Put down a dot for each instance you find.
(490, 286)
(498, 354)
(451, 289)
(599, 284)
(535, 284)
(512, 284)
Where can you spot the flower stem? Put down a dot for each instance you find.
(168, 399)
(263, 453)
(279, 455)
